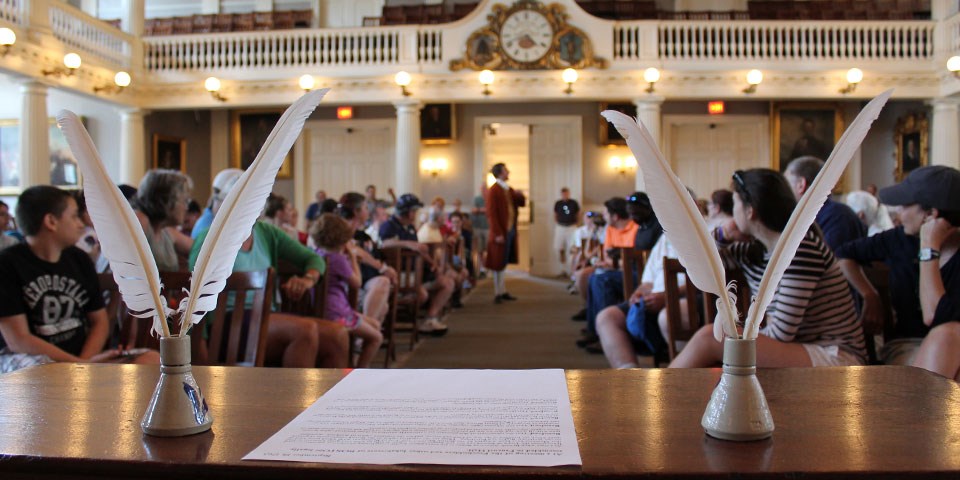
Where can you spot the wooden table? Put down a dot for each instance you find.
(82, 421)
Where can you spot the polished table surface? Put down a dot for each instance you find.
(82, 421)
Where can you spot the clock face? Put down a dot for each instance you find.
(526, 36)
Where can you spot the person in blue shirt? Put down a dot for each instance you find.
(222, 184)
(837, 221)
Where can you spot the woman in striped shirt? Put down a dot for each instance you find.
(812, 320)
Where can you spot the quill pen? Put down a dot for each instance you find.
(124, 243)
(240, 209)
(806, 211)
(681, 220)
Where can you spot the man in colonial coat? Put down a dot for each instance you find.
(502, 204)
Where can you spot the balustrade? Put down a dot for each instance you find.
(89, 35)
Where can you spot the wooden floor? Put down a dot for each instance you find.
(533, 332)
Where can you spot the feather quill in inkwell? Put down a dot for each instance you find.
(687, 231)
(134, 268)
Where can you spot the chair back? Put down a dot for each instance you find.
(313, 303)
(677, 330)
(409, 267)
(239, 336)
(632, 262)
(878, 273)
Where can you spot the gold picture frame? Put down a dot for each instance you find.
(801, 128)
(910, 137)
(170, 152)
(609, 135)
(438, 124)
(249, 130)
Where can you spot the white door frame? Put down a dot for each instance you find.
(669, 122)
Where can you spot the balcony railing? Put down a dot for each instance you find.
(10, 11)
(295, 48)
(89, 35)
(777, 41)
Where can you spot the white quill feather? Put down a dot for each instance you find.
(681, 220)
(806, 211)
(239, 211)
(124, 243)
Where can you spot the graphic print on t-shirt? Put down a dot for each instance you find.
(57, 301)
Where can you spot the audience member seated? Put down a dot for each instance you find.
(6, 225)
(376, 276)
(89, 242)
(378, 216)
(372, 199)
(928, 194)
(720, 208)
(867, 208)
(52, 309)
(587, 245)
(280, 213)
(399, 231)
(161, 205)
(811, 320)
(313, 210)
(292, 340)
(481, 229)
(193, 214)
(621, 232)
(620, 344)
(222, 183)
(432, 224)
(333, 236)
(837, 221)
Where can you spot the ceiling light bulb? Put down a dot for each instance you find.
(651, 75)
(486, 77)
(212, 84)
(122, 79)
(954, 64)
(72, 61)
(854, 75)
(570, 75)
(754, 77)
(7, 37)
(402, 79)
(307, 82)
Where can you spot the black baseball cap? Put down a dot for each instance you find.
(934, 186)
(640, 199)
(407, 202)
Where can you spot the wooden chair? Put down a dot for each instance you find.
(283, 20)
(223, 22)
(243, 22)
(393, 15)
(182, 25)
(406, 295)
(461, 10)
(163, 26)
(632, 262)
(203, 23)
(878, 273)
(263, 20)
(302, 18)
(677, 330)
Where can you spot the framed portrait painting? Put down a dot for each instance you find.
(608, 134)
(802, 129)
(910, 137)
(438, 123)
(249, 130)
(169, 152)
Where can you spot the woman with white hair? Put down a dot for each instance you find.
(867, 208)
(222, 184)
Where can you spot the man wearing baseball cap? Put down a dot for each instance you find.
(222, 183)
(924, 271)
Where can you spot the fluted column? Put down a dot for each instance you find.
(648, 111)
(408, 146)
(34, 136)
(944, 141)
(133, 147)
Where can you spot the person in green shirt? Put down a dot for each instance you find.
(292, 340)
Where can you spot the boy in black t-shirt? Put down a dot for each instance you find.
(51, 309)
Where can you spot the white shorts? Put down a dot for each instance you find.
(901, 351)
(830, 356)
(563, 237)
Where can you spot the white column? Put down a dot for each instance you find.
(34, 136)
(408, 146)
(133, 147)
(648, 111)
(944, 141)
(132, 19)
(210, 6)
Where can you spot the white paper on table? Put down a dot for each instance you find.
(450, 417)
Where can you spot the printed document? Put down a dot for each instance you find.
(450, 417)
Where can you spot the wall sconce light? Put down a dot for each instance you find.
(622, 165)
(71, 61)
(486, 79)
(403, 80)
(953, 64)
(120, 81)
(307, 82)
(651, 76)
(212, 84)
(434, 166)
(754, 77)
(7, 39)
(570, 77)
(854, 76)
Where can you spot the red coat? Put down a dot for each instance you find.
(502, 208)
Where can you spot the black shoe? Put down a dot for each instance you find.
(581, 316)
(498, 299)
(594, 347)
(507, 296)
(587, 339)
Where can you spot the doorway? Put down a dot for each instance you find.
(543, 155)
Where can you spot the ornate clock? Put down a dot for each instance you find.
(527, 36)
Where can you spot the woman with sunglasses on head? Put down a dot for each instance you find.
(812, 320)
